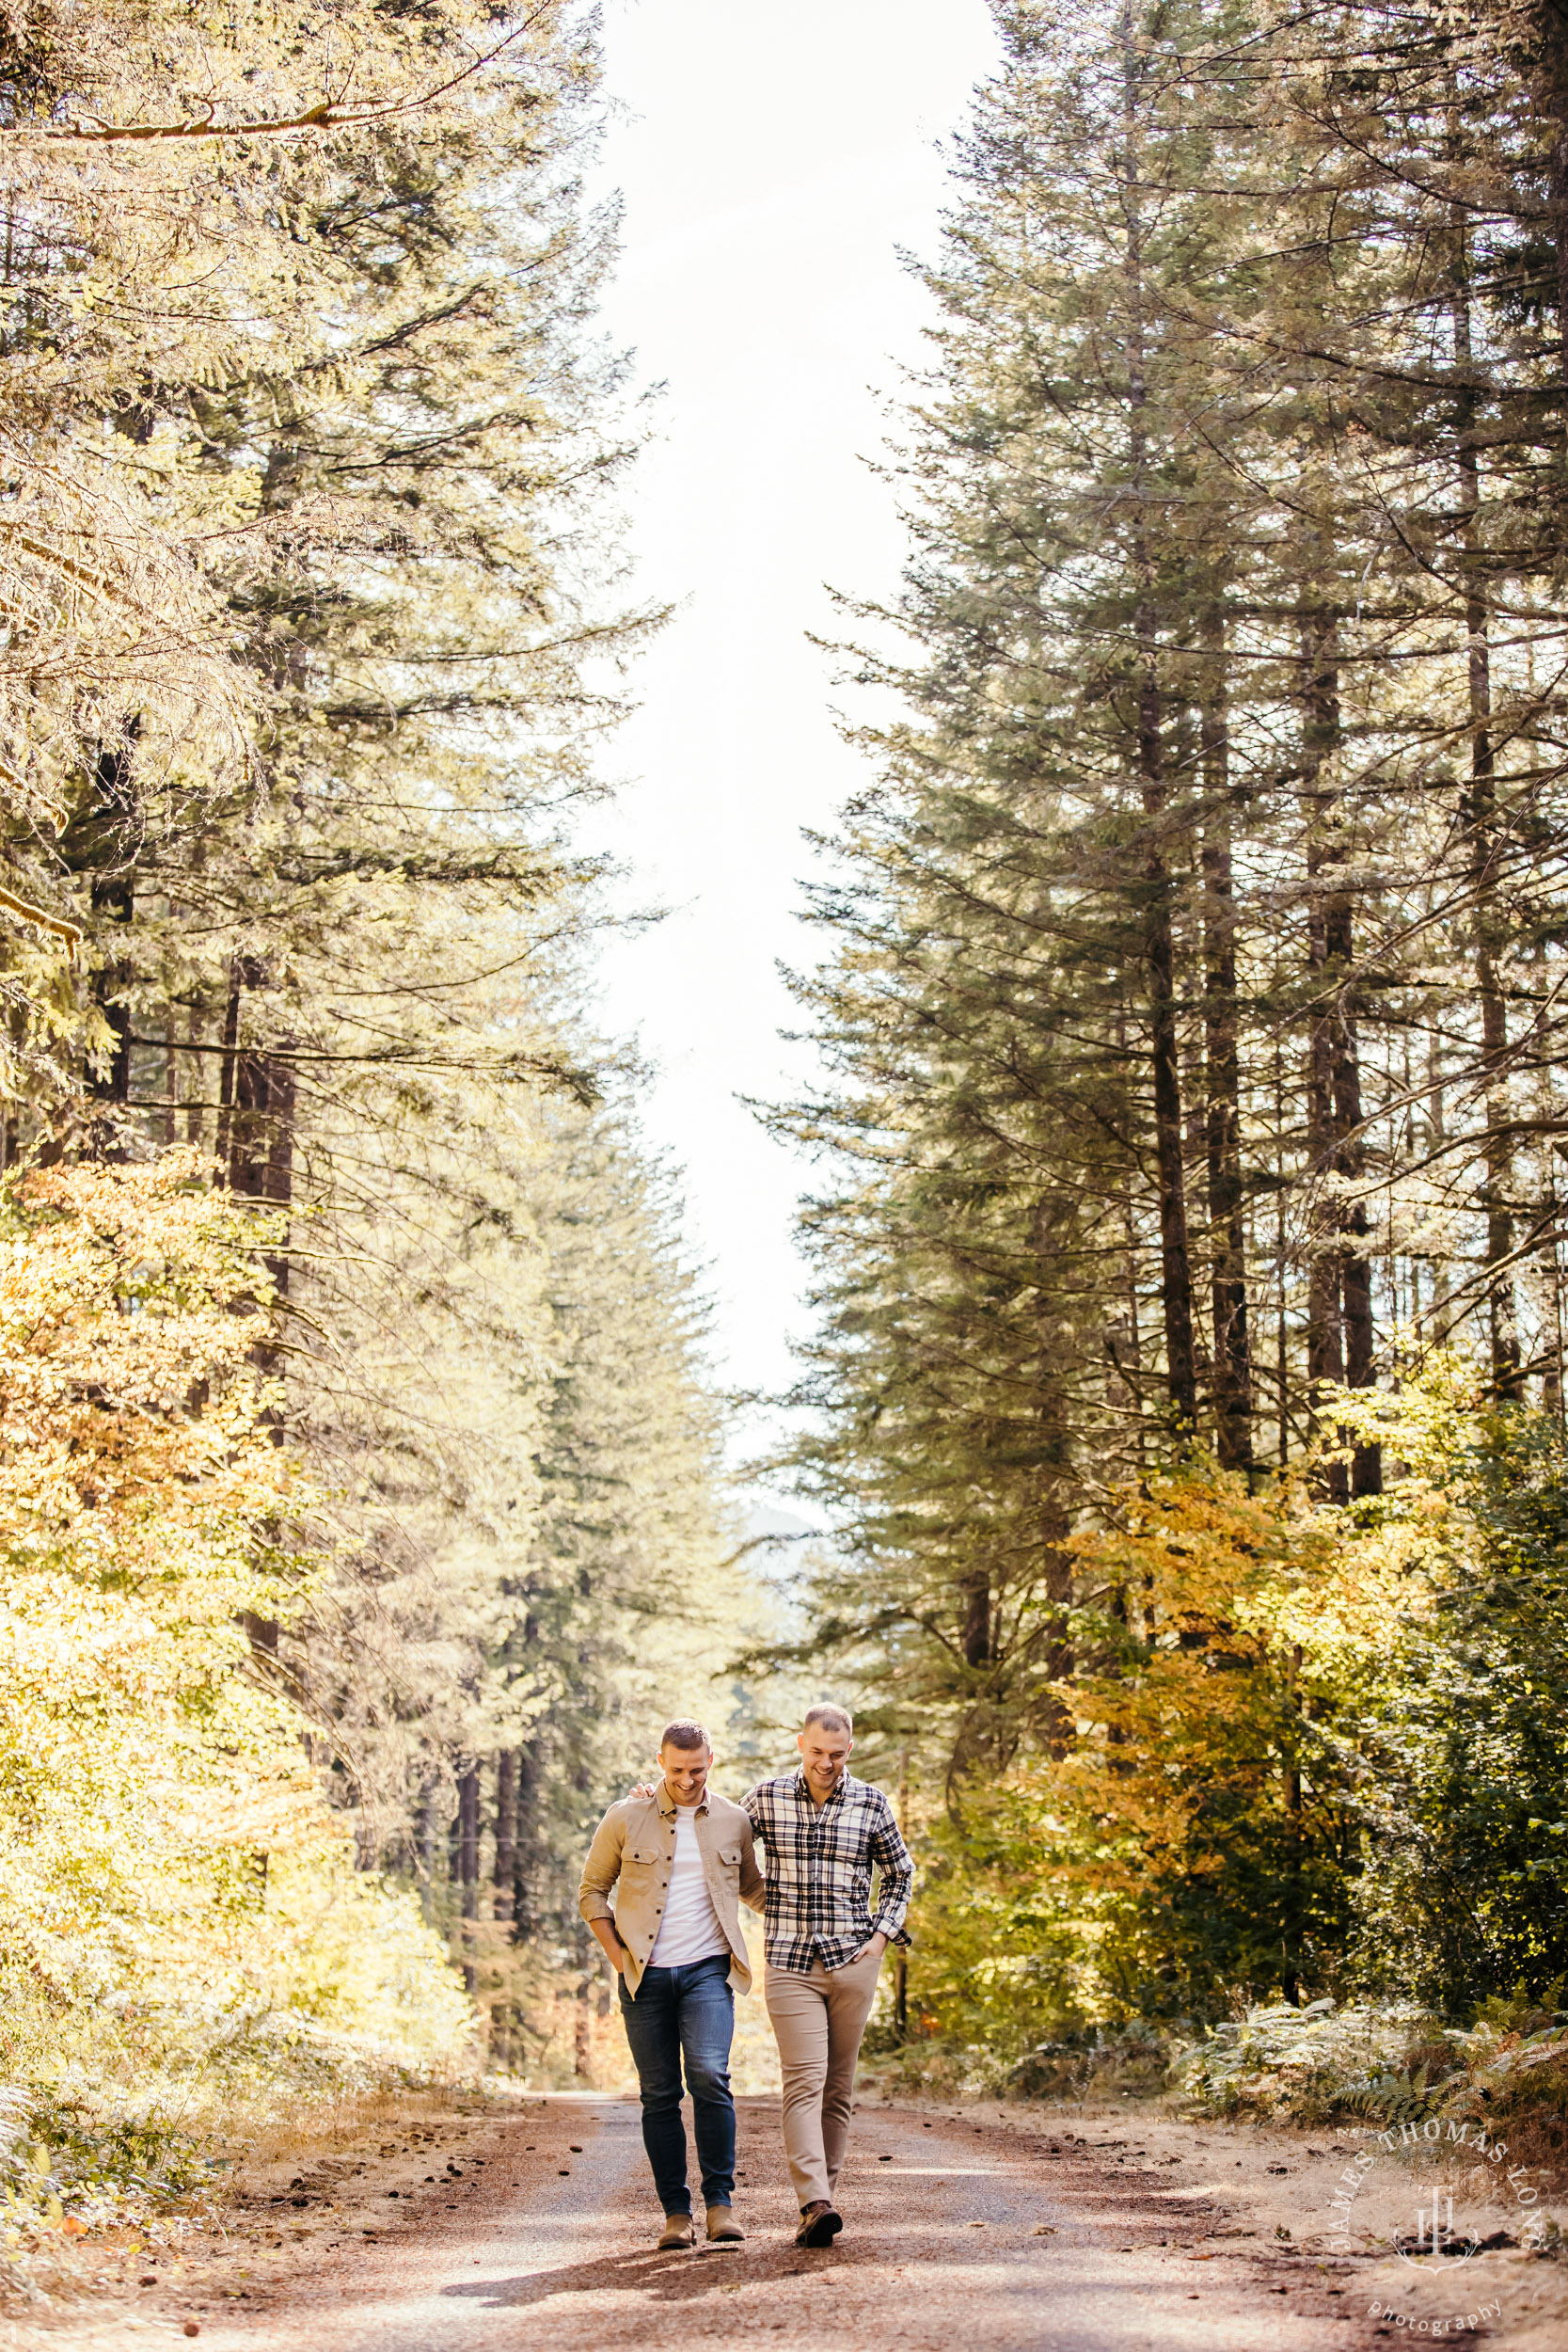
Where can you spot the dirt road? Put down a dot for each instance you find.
(1009, 2235)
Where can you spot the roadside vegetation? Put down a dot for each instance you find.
(1187, 1393)
(361, 1502)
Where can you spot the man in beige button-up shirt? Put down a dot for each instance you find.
(681, 1862)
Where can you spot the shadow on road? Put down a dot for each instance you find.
(664, 2277)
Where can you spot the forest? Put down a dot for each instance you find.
(359, 1468)
(1187, 1392)
(1185, 1418)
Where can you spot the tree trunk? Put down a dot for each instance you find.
(506, 1833)
(257, 1136)
(169, 1125)
(468, 1867)
(1326, 1359)
(1551, 97)
(261, 1154)
(504, 2021)
(1176, 1278)
(1436, 1136)
(1223, 1109)
(525, 1916)
(1486, 850)
(1292, 1939)
(582, 2038)
(1176, 1274)
(975, 1637)
(227, 1059)
(101, 850)
(255, 1126)
(1355, 1265)
(261, 1147)
(425, 1847)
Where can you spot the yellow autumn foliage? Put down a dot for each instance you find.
(1261, 1685)
(171, 1879)
(1196, 1727)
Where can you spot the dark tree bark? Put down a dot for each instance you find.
(1176, 1272)
(1501, 1305)
(1356, 1268)
(1551, 98)
(976, 1620)
(262, 1155)
(525, 1909)
(1325, 1359)
(1233, 1403)
(256, 1120)
(506, 2037)
(229, 1055)
(1176, 1278)
(261, 1147)
(468, 1867)
(97, 846)
(424, 1846)
(506, 1833)
(1486, 844)
(1341, 1341)
(256, 1132)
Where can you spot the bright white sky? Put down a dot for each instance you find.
(771, 159)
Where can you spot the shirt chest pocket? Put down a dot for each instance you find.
(729, 1864)
(637, 1863)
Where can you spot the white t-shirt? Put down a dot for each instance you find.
(690, 1929)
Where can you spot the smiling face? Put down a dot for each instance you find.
(685, 1772)
(823, 1752)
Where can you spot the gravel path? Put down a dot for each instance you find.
(955, 2230)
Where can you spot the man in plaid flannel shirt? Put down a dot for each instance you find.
(823, 1833)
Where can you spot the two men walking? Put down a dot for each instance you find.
(823, 1835)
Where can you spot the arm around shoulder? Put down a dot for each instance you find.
(752, 1884)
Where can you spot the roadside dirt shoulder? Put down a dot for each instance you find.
(289, 2202)
(1315, 2216)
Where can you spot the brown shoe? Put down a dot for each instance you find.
(722, 2226)
(820, 2224)
(677, 2233)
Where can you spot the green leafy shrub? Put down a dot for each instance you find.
(1388, 2064)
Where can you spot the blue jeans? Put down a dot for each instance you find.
(685, 2013)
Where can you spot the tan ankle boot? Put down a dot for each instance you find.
(722, 2226)
(677, 2233)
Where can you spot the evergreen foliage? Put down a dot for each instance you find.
(1188, 1395)
(315, 628)
(1189, 1006)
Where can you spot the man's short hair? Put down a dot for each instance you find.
(684, 1733)
(831, 1718)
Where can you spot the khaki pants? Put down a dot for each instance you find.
(817, 2022)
